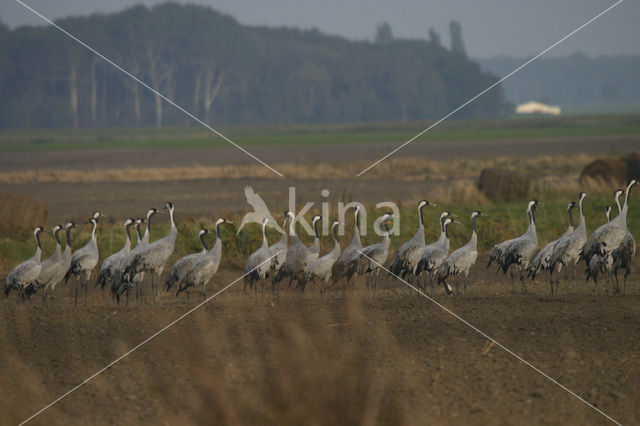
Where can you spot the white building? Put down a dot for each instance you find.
(533, 107)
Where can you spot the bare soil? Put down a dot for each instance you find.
(303, 154)
(392, 358)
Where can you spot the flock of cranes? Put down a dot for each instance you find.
(607, 251)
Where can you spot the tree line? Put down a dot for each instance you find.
(228, 73)
(576, 82)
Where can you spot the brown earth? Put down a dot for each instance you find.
(394, 358)
(307, 154)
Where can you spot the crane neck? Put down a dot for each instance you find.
(385, 234)
(172, 219)
(93, 231)
(581, 213)
(532, 219)
(265, 243)
(570, 217)
(147, 231)
(68, 232)
(420, 216)
(127, 231)
(625, 206)
(292, 228)
(37, 236)
(204, 243)
(57, 237)
(335, 234)
(474, 233)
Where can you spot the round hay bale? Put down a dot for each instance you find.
(20, 214)
(611, 171)
(504, 184)
(632, 160)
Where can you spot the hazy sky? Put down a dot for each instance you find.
(490, 27)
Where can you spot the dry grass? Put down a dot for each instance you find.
(20, 214)
(402, 169)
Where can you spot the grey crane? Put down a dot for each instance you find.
(320, 269)
(182, 265)
(279, 249)
(440, 242)
(84, 260)
(153, 257)
(65, 262)
(609, 236)
(542, 261)
(346, 264)
(110, 264)
(497, 253)
(118, 285)
(204, 268)
(599, 262)
(408, 255)
(519, 251)
(52, 272)
(123, 282)
(461, 260)
(622, 255)
(28, 271)
(67, 253)
(257, 268)
(436, 253)
(566, 252)
(372, 257)
(296, 259)
(313, 252)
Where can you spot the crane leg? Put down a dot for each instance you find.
(466, 280)
(457, 285)
(624, 281)
(76, 298)
(522, 280)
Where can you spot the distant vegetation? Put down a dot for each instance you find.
(228, 73)
(578, 83)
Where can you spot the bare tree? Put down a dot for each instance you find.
(212, 85)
